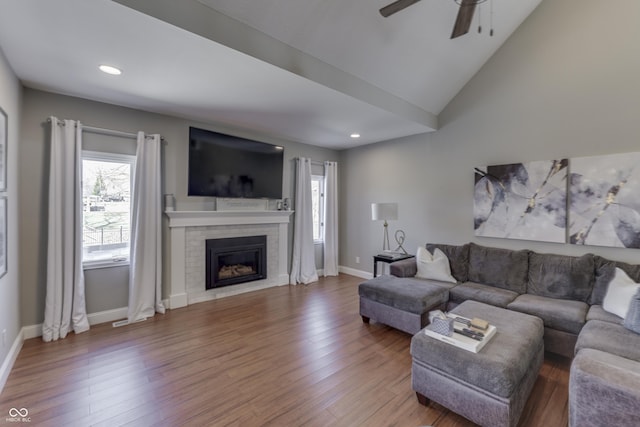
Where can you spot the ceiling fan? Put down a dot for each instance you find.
(463, 21)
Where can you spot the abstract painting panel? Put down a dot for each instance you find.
(522, 201)
(604, 200)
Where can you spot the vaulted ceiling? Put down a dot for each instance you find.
(311, 71)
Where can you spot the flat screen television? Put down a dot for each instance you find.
(228, 166)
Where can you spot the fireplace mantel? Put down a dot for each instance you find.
(223, 221)
(205, 218)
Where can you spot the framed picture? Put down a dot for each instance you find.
(3, 150)
(3, 236)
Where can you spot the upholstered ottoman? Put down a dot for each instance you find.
(490, 387)
(403, 303)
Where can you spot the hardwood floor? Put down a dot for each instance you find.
(286, 356)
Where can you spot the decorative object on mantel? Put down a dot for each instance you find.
(169, 202)
(233, 204)
(384, 212)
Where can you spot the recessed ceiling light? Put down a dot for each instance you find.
(355, 135)
(110, 70)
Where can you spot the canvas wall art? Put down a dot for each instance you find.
(604, 200)
(522, 201)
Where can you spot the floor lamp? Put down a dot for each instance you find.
(384, 212)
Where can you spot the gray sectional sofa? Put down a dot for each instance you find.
(567, 293)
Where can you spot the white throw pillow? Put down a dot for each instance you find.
(619, 294)
(434, 267)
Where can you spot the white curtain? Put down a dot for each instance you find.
(303, 265)
(330, 218)
(145, 269)
(65, 307)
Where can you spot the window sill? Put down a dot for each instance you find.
(94, 265)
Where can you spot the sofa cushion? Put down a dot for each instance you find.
(604, 390)
(596, 312)
(610, 338)
(632, 320)
(504, 268)
(561, 276)
(562, 315)
(412, 295)
(403, 268)
(482, 293)
(605, 270)
(433, 266)
(458, 259)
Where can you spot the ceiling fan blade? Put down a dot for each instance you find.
(396, 6)
(465, 16)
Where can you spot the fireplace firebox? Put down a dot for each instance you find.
(235, 260)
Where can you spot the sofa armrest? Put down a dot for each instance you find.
(404, 268)
(604, 389)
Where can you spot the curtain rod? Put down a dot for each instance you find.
(313, 162)
(109, 132)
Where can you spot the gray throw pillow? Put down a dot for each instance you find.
(632, 321)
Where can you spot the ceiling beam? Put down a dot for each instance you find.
(197, 18)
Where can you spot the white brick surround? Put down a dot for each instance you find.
(190, 229)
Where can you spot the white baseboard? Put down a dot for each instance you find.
(34, 331)
(178, 300)
(8, 362)
(108, 316)
(354, 272)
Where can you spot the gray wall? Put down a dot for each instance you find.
(107, 288)
(565, 84)
(10, 102)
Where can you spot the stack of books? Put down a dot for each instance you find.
(465, 336)
(392, 254)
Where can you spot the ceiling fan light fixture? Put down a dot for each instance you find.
(469, 3)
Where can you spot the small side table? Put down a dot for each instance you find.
(388, 260)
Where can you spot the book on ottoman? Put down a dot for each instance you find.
(463, 337)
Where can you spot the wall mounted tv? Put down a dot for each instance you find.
(227, 166)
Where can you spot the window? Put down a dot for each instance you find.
(106, 197)
(317, 207)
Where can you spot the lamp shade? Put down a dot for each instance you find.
(384, 211)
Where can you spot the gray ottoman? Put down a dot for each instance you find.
(492, 386)
(402, 303)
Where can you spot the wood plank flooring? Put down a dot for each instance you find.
(286, 356)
